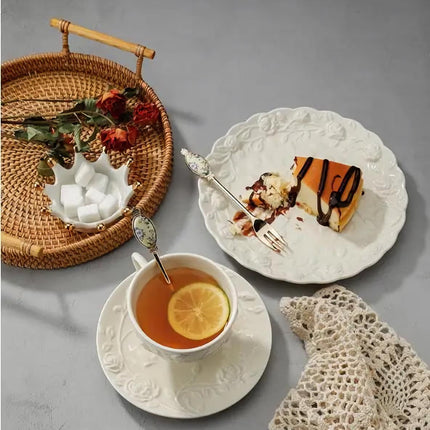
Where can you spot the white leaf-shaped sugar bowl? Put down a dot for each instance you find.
(117, 187)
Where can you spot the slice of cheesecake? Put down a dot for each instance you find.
(329, 190)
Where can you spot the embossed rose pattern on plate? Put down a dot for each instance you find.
(268, 142)
(185, 390)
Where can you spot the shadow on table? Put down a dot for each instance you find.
(65, 322)
(183, 115)
(25, 290)
(180, 197)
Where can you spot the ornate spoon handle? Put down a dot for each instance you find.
(200, 167)
(144, 231)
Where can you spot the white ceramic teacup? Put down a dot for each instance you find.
(147, 270)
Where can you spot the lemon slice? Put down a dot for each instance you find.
(198, 310)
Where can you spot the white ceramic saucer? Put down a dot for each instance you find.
(185, 390)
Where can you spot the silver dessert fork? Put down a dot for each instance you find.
(263, 231)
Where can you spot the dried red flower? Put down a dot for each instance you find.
(112, 102)
(118, 139)
(68, 142)
(67, 139)
(145, 114)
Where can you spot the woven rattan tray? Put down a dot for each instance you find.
(30, 236)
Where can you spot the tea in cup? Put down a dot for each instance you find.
(189, 319)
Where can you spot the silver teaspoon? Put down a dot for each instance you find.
(145, 232)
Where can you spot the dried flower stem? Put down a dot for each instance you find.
(7, 120)
(88, 112)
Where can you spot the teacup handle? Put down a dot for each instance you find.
(138, 260)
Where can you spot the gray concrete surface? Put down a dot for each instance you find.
(218, 63)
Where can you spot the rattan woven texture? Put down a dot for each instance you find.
(71, 76)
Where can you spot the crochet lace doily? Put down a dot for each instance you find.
(360, 373)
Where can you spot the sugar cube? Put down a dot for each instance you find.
(71, 210)
(88, 213)
(84, 174)
(94, 196)
(71, 194)
(99, 182)
(108, 206)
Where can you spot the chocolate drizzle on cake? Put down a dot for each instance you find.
(323, 218)
(292, 196)
(335, 200)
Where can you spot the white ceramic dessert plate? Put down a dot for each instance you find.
(185, 390)
(268, 142)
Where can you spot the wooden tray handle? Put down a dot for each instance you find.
(67, 27)
(19, 244)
